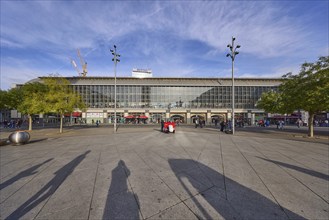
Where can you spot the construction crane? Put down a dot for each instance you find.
(75, 67)
(84, 71)
(83, 64)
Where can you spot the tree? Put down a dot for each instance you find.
(10, 99)
(32, 100)
(60, 97)
(271, 102)
(3, 99)
(28, 99)
(309, 90)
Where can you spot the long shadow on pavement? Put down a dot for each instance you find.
(49, 188)
(120, 203)
(28, 172)
(300, 169)
(241, 202)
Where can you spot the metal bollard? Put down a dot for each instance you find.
(19, 137)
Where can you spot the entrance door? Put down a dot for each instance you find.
(178, 118)
(200, 117)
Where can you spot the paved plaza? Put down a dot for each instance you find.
(142, 173)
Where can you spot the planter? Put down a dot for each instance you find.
(19, 137)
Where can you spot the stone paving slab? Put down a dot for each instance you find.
(141, 173)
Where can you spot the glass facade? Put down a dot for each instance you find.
(171, 97)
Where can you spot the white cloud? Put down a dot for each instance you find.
(255, 24)
(171, 37)
(16, 75)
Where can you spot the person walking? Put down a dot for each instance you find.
(196, 122)
(162, 125)
(201, 123)
(222, 126)
(281, 124)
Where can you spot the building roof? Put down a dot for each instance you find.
(165, 81)
(175, 81)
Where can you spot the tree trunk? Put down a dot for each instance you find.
(310, 124)
(30, 122)
(61, 124)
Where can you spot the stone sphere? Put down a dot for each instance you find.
(19, 137)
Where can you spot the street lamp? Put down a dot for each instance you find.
(115, 60)
(232, 55)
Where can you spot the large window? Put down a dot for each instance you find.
(171, 97)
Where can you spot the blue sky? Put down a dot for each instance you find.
(173, 38)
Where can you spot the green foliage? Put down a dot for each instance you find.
(309, 90)
(60, 98)
(10, 99)
(3, 99)
(53, 95)
(271, 102)
(33, 98)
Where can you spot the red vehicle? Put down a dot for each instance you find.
(169, 127)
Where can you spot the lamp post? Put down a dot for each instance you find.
(115, 60)
(232, 55)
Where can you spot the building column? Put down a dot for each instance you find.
(188, 117)
(249, 117)
(147, 114)
(208, 117)
(252, 118)
(229, 115)
(125, 113)
(167, 115)
(105, 116)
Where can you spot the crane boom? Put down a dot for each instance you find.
(75, 66)
(83, 64)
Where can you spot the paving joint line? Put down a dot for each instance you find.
(294, 177)
(166, 185)
(131, 188)
(32, 178)
(221, 154)
(259, 177)
(93, 192)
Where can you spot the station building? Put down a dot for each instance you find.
(150, 100)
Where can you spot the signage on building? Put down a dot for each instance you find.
(141, 73)
(94, 115)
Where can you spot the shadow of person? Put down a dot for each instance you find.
(156, 129)
(228, 198)
(120, 203)
(25, 173)
(49, 189)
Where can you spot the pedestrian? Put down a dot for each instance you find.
(97, 123)
(281, 124)
(196, 122)
(222, 126)
(162, 125)
(299, 123)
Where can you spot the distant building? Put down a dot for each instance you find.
(152, 99)
(141, 73)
